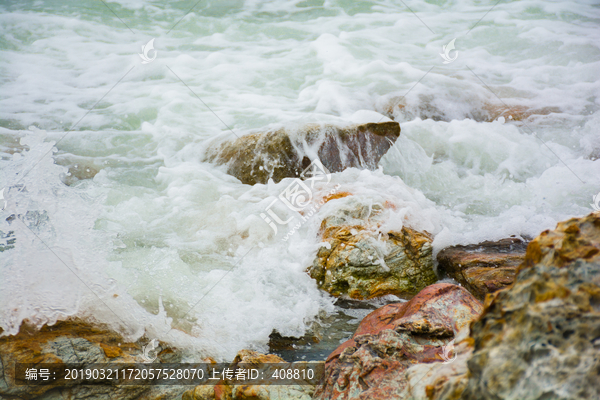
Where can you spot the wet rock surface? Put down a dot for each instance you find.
(78, 172)
(485, 267)
(539, 338)
(258, 157)
(225, 391)
(429, 106)
(362, 262)
(75, 342)
(373, 364)
(516, 112)
(328, 331)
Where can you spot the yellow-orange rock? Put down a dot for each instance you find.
(575, 239)
(75, 342)
(225, 391)
(362, 262)
(540, 337)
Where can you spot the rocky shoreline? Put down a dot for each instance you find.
(536, 338)
(511, 319)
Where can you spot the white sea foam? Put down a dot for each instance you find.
(165, 240)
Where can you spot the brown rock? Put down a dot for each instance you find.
(485, 267)
(539, 338)
(575, 239)
(431, 107)
(515, 112)
(266, 392)
(201, 392)
(76, 342)
(78, 170)
(278, 343)
(388, 341)
(425, 108)
(362, 262)
(226, 391)
(258, 157)
(256, 358)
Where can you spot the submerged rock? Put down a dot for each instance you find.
(258, 157)
(540, 338)
(360, 261)
(485, 267)
(515, 112)
(373, 364)
(78, 170)
(440, 108)
(327, 332)
(75, 342)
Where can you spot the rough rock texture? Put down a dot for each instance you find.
(540, 338)
(74, 341)
(362, 262)
(426, 380)
(373, 364)
(224, 391)
(485, 267)
(257, 157)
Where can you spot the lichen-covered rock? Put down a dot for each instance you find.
(77, 342)
(224, 391)
(373, 364)
(540, 338)
(258, 157)
(360, 261)
(577, 239)
(485, 267)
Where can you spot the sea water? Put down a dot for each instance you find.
(161, 244)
